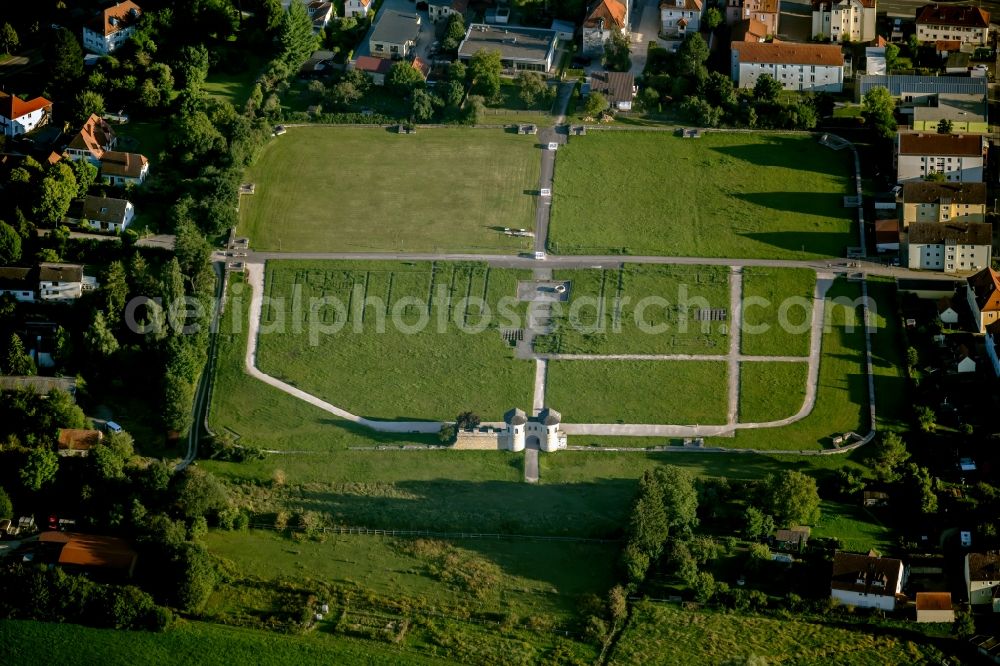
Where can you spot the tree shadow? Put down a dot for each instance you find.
(816, 242)
(787, 152)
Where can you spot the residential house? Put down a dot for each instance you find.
(618, 87)
(765, 12)
(118, 168)
(844, 20)
(959, 157)
(887, 234)
(925, 201)
(679, 17)
(935, 607)
(963, 23)
(913, 89)
(39, 385)
(875, 499)
(74, 442)
(946, 311)
(604, 18)
(17, 282)
(89, 551)
(982, 578)
(94, 139)
(983, 295)
(866, 581)
(111, 28)
(394, 35)
(376, 68)
(991, 342)
(803, 67)
(750, 30)
(792, 539)
(19, 117)
(965, 363)
(317, 64)
(952, 247)
(357, 8)
(106, 214)
(60, 282)
(966, 113)
(875, 61)
(320, 12)
(440, 10)
(531, 49)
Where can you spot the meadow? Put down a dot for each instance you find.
(777, 286)
(723, 195)
(324, 189)
(771, 390)
(606, 306)
(459, 361)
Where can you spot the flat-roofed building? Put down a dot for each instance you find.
(519, 48)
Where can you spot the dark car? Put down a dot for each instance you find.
(581, 61)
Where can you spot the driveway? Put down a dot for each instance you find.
(645, 28)
(428, 30)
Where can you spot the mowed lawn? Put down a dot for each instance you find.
(389, 367)
(777, 310)
(771, 391)
(327, 189)
(640, 309)
(858, 530)
(668, 634)
(671, 392)
(723, 195)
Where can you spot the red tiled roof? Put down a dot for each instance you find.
(612, 11)
(957, 15)
(786, 53)
(421, 66)
(933, 600)
(985, 286)
(121, 12)
(92, 550)
(918, 143)
(373, 65)
(128, 165)
(95, 134)
(79, 440)
(947, 45)
(13, 107)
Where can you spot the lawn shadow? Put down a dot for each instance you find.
(800, 203)
(825, 243)
(787, 152)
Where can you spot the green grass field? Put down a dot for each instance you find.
(667, 634)
(786, 316)
(679, 392)
(352, 189)
(858, 530)
(771, 391)
(374, 368)
(235, 86)
(43, 643)
(723, 195)
(410, 569)
(640, 309)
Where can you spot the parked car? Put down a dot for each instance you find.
(581, 61)
(111, 426)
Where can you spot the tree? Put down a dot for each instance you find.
(39, 468)
(964, 625)
(692, 56)
(757, 523)
(18, 361)
(485, 68)
(704, 586)
(926, 418)
(944, 126)
(85, 174)
(457, 71)
(792, 498)
(918, 486)
(700, 112)
(713, 18)
(10, 244)
(596, 105)
(296, 38)
(616, 52)
(422, 107)
(767, 88)
(467, 421)
(107, 463)
(454, 33)
(6, 507)
(65, 59)
(197, 576)
(114, 291)
(649, 524)
(719, 90)
(56, 193)
(531, 86)
(87, 103)
(935, 177)
(403, 77)
(617, 604)
(891, 54)
(878, 109)
(9, 40)
(680, 498)
(192, 66)
(200, 493)
(343, 94)
(100, 340)
(888, 455)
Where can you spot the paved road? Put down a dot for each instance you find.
(531, 465)
(645, 28)
(667, 357)
(735, 329)
(558, 135)
(541, 373)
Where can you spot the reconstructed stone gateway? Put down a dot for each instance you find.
(541, 432)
